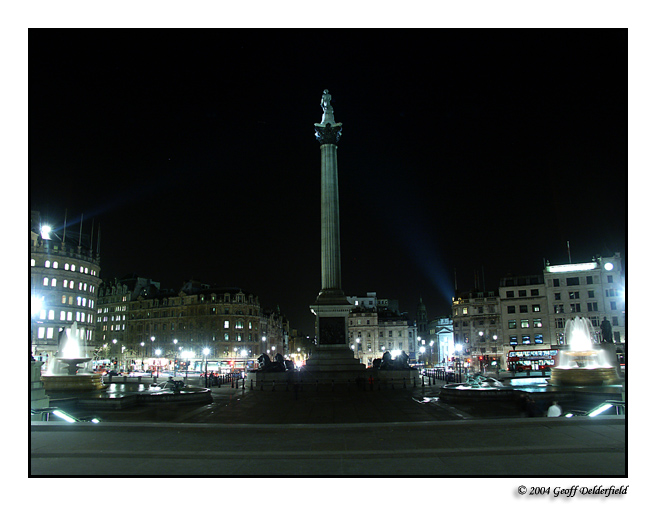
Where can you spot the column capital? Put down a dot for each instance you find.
(329, 133)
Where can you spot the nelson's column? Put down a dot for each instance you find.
(333, 359)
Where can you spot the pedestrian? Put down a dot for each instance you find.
(554, 410)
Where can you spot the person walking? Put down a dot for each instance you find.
(554, 410)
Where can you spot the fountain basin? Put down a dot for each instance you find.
(79, 382)
(586, 376)
(118, 396)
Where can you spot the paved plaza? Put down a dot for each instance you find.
(329, 432)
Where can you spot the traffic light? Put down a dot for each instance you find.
(481, 358)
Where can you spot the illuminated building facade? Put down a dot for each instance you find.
(477, 326)
(441, 333)
(530, 312)
(180, 325)
(64, 281)
(373, 329)
(595, 290)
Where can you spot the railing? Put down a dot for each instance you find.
(441, 374)
(224, 378)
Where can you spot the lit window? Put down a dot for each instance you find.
(55, 264)
(45, 281)
(49, 333)
(41, 333)
(66, 266)
(226, 324)
(63, 300)
(69, 316)
(32, 262)
(524, 323)
(54, 282)
(62, 315)
(51, 314)
(72, 267)
(47, 264)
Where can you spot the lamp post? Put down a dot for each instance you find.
(431, 352)
(152, 345)
(264, 344)
(459, 348)
(175, 355)
(206, 351)
(157, 367)
(142, 356)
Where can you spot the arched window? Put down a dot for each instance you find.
(45, 280)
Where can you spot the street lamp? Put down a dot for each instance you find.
(431, 352)
(157, 354)
(175, 354)
(206, 351)
(142, 356)
(458, 347)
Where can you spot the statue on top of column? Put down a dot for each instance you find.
(327, 117)
(326, 101)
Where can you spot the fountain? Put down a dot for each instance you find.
(583, 364)
(62, 373)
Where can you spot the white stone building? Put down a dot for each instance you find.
(64, 280)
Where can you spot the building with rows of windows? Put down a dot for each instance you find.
(64, 280)
(529, 313)
(142, 325)
(374, 328)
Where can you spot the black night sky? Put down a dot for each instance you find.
(461, 151)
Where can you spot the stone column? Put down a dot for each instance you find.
(331, 308)
(331, 268)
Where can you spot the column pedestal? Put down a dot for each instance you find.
(333, 359)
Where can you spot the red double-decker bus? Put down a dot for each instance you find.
(536, 359)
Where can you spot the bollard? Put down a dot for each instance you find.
(434, 380)
(251, 385)
(404, 382)
(414, 382)
(243, 386)
(273, 385)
